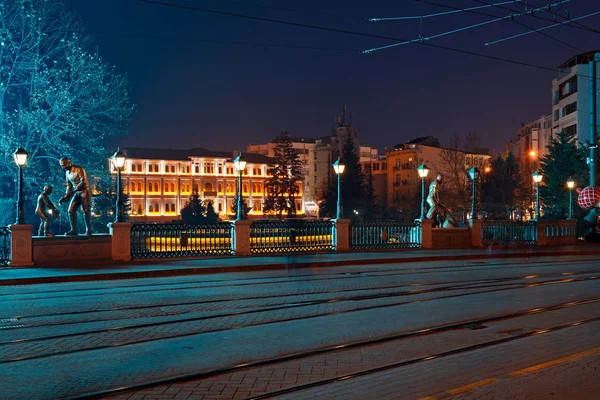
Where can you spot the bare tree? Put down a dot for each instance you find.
(56, 97)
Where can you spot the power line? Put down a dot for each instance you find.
(541, 29)
(195, 40)
(293, 9)
(317, 27)
(511, 18)
(575, 25)
(440, 13)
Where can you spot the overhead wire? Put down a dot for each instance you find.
(511, 19)
(533, 15)
(440, 14)
(421, 39)
(362, 34)
(196, 40)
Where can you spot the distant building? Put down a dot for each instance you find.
(304, 147)
(160, 181)
(318, 156)
(571, 96)
(403, 180)
(531, 141)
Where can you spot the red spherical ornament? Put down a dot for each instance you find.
(588, 197)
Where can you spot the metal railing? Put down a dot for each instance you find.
(508, 232)
(174, 240)
(291, 236)
(4, 246)
(561, 230)
(385, 235)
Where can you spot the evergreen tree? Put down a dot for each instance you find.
(500, 187)
(356, 193)
(104, 200)
(211, 215)
(563, 161)
(193, 211)
(281, 189)
(245, 208)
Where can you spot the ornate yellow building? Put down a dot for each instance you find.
(160, 181)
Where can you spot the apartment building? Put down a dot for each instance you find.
(571, 92)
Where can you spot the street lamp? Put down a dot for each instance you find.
(570, 185)
(20, 157)
(474, 175)
(240, 166)
(118, 160)
(338, 167)
(537, 178)
(423, 171)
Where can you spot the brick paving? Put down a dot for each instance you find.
(88, 371)
(266, 379)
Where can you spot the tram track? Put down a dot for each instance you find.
(191, 333)
(311, 277)
(455, 285)
(284, 295)
(361, 343)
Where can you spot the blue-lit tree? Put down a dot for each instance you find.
(57, 96)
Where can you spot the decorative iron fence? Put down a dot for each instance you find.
(560, 230)
(174, 240)
(508, 232)
(385, 235)
(4, 246)
(291, 236)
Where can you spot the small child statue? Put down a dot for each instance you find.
(44, 205)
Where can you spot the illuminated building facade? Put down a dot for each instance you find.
(160, 182)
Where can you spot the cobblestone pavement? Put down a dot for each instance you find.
(99, 336)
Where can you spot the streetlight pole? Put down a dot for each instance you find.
(423, 171)
(240, 165)
(338, 167)
(537, 178)
(570, 185)
(20, 157)
(474, 175)
(118, 160)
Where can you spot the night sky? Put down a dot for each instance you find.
(193, 92)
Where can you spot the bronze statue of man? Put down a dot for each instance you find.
(78, 190)
(45, 206)
(437, 211)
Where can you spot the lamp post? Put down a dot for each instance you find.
(118, 160)
(570, 185)
(20, 157)
(537, 178)
(338, 167)
(240, 166)
(474, 175)
(423, 171)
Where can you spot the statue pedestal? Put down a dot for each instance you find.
(21, 249)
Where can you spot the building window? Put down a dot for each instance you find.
(139, 209)
(571, 130)
(245, 190)
(570, 108)
(208, 187)
(220, 188)
(151, 208)
(209, 168)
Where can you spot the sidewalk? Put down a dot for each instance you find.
(165, 267)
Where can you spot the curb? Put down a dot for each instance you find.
(162, 273)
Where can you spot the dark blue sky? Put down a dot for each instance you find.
(224, 96)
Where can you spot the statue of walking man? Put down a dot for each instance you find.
(78, 190)
(44, 206)
(437, 211)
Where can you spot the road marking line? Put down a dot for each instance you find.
(553, 363)
(524, 371)
(472, 386)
